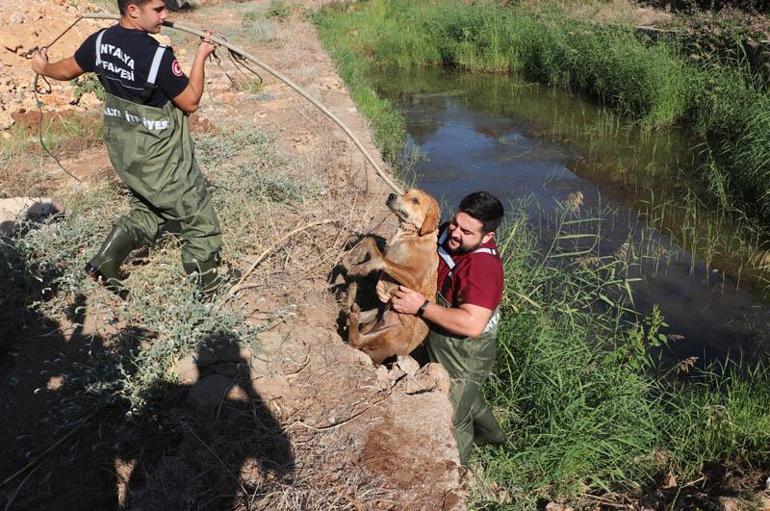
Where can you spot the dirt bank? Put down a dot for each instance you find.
(290, 419)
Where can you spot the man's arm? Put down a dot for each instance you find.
(65, 69)
(189, 99)
(467, 320)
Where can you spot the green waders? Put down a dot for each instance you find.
(152, 151)
(469, 362)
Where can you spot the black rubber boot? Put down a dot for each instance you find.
(486, 430)
(104, 267)
(207, 274)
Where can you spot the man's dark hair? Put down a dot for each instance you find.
(484, 207)
(123, 5)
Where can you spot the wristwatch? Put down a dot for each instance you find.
(422, 308)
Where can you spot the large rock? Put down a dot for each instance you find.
(409, 446)
(187, 370)
(430, 378)
(6, 119)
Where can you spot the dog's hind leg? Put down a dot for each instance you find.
(351, 298)
(352, 323)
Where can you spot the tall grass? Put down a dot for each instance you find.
(388, 125)
(722, 416)
(587, 408)
(653, 83)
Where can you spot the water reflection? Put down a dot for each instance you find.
(523, 140)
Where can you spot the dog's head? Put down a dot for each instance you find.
(416, 208)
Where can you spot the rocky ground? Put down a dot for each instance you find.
(320, 427)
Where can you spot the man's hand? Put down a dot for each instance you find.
(406, 301)
(206, 47)
(39, 60)
(65, 69)
(189, 99)
(467, 320)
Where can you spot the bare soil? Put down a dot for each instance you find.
(316, 425)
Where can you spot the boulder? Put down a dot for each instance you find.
(430, 378)
(408, 364)
(6, 120)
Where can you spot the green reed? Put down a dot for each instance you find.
(587, 408)
(652, 83)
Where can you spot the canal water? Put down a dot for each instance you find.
(539, 148)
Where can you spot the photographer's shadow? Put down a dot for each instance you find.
(230, 444)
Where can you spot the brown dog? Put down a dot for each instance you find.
(410, 260)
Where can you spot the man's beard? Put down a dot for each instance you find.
(461, 250)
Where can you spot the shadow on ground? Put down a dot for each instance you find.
(168, 446)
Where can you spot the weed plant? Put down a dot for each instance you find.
(255, 27)
(278, 10)
(655, 83)
(722, 413)
(587, 408)
(161, 320)
(57, 131)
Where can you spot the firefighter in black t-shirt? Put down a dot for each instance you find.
(148, 139)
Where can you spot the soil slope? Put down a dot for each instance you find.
(325, 429)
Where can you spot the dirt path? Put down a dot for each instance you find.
(325, 430)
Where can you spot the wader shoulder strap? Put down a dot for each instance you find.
(153, 75)
(448, 258)
(99, 48)
(105, 83)
(443, 254)
(493, 321)
(451, 264)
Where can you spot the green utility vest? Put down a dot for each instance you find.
(469, 363)
(152, 151)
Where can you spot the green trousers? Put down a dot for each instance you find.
(152, 151)
(469, 362)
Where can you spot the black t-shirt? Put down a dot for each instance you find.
(127, 56)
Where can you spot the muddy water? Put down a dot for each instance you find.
(531, 144)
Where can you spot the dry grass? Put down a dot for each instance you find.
(260, 196)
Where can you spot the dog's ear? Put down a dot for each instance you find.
(430, 223)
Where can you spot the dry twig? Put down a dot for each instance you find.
(239, 285)
(53, 446)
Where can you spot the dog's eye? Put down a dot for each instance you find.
(415, 201)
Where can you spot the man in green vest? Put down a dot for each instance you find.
(147, 133)
(464, 317)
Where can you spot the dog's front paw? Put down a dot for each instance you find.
(353, 315)
(383, 291)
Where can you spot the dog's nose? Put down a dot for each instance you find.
(391, 197)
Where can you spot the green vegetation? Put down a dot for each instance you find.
(278, 10)
(54, 254)
(58, 131)
(655, 83)
(250, 179)
(588, 408)
(255, 27)
(388, 124)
